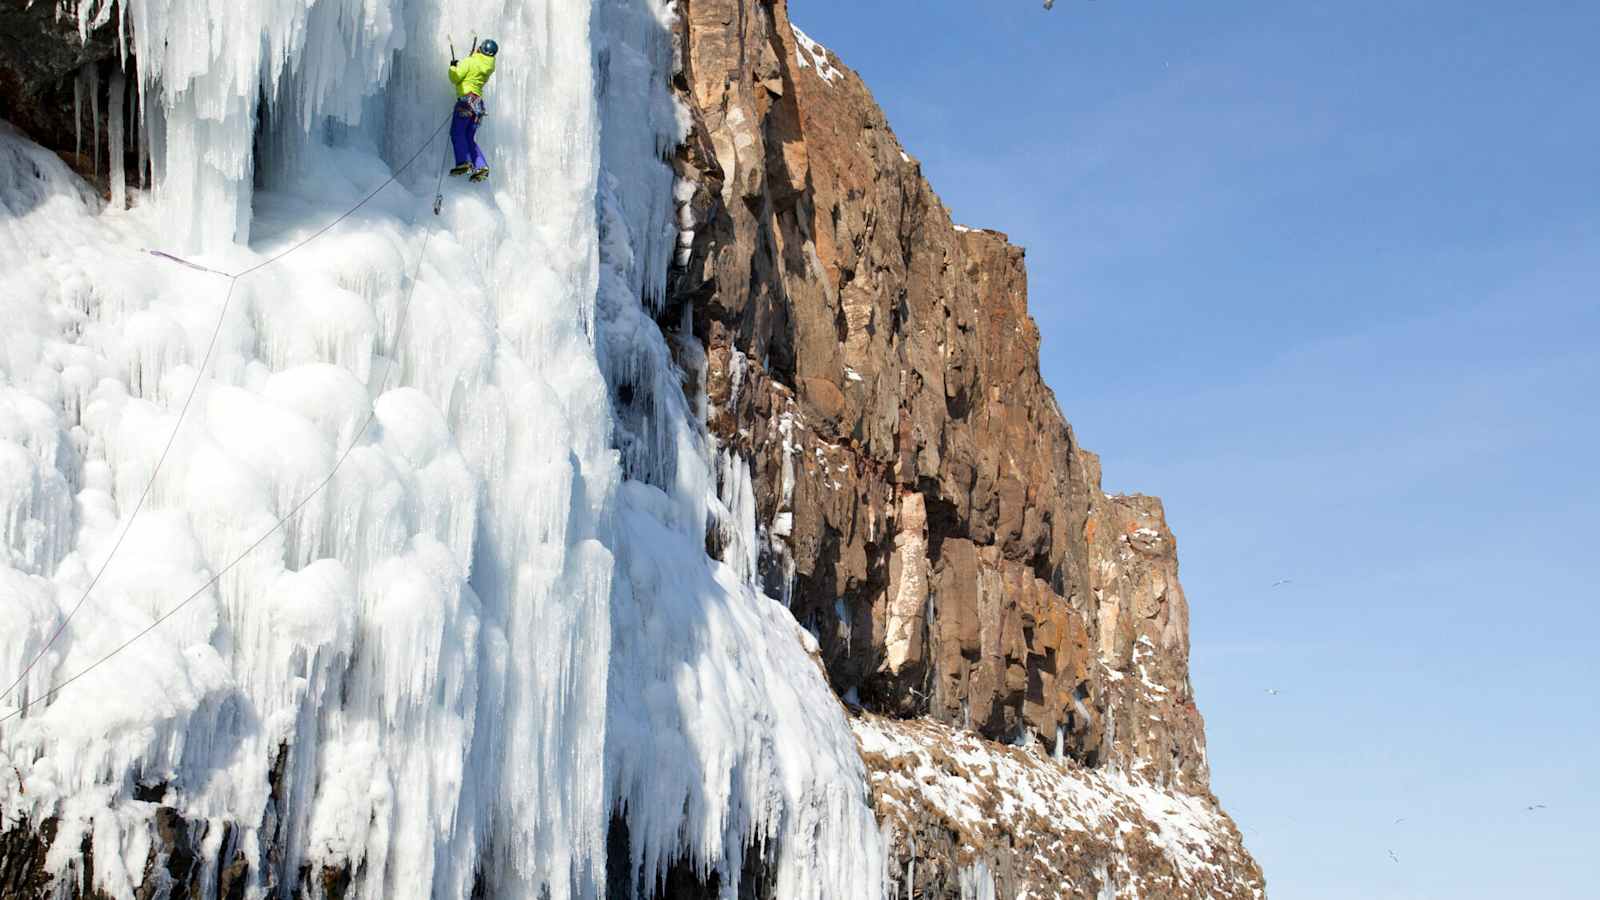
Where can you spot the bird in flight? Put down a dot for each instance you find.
(1537, 806)
(1399, 820)
(1274, 691)
(1283, 581)
(1393, 857)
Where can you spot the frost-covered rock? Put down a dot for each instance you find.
(979, 819)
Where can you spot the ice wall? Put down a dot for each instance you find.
(705, 669)
(427, 552)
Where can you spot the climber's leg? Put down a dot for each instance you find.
(477, 158)
(462, 126)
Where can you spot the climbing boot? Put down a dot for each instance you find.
(461, 169)
(481, 174)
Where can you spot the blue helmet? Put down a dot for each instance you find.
(488, 47)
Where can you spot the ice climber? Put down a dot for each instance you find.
(469, 77)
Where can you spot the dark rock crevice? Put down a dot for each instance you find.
(55, 86)
(681, 881)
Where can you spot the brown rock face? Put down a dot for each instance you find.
(925, 508)
(877, 369)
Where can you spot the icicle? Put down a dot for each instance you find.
(976, 882)
(77, 115)
(115, 141)
(136, 132)
(133, 115)
(122, 33)
(93, 84)
(144, 146)
(153, 155)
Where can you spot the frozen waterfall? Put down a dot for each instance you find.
(495, 625)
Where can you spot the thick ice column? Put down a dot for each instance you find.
(152, 130)
(202, 68)
(115, 140)
(77, 115)
(92, 85)
(643, 124)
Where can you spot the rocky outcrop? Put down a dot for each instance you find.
(175, 864)
(43, 41)
(925, 509)
(55, 77)
(22, 860)
(960, 807)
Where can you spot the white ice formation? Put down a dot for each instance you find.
(496, 624)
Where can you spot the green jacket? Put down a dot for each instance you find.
(471, 74)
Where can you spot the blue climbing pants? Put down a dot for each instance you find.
(464, 133)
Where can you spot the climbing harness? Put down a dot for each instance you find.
(233, 281)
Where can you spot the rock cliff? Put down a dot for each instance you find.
(873, 376)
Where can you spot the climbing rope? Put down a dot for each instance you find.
(233, 281)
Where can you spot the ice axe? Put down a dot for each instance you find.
(452, 42)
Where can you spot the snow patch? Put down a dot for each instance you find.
(811, 54)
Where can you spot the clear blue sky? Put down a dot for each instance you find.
(1325, 277)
